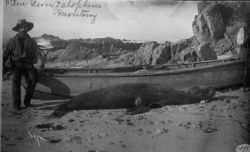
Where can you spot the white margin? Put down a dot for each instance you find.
(1, 54)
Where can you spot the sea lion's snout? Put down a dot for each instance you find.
(208, 94)
(211, 93)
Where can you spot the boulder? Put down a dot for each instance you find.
(183, 50)
(177, 47)
(188, 55)
(151, 53)
(161, 54)
(200, 29)
(205, 52)
(223, 46)
(209, 24)
(143, 56)
(215, 22)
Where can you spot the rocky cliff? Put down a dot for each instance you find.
(215, 29)
(80, 52)
(218, 23)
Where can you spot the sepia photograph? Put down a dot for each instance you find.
(125, 76)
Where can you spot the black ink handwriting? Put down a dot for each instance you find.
(68, 8)
(82, 13)
(15, 3)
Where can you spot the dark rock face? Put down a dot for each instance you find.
(183, 50)
(209, 24)
(188, 55)
(152, 53)
(205, 52)
(177, 47)
(214, 18)
(215, 21)
(161, 54)
(223, 46)
(200, 29)
(144, 55)
(218, 24)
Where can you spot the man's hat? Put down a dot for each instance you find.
(22, 23)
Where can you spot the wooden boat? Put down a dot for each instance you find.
(68, 82)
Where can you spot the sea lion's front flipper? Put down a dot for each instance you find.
(57, 114)
(138, 102)
(60, 110)
(141, 107)
(137, 110)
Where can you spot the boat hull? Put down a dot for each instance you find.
(69, 84)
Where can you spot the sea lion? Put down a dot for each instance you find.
(139, 97)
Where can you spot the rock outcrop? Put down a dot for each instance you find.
(205, 52)
(215, 30)
(209, 25)
(214, 19)
(177, 47)
(87, 51)
(188, 55)
(144, 56)
(182, 50)
(223, 46)
(218, 24)
(152, 53)
(125, 59)
(161, 54)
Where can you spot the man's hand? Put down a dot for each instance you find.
(39, 65)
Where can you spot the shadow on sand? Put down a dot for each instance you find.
(56, 90)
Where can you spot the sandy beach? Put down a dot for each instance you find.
(218, 126)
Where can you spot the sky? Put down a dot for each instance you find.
(145, 20)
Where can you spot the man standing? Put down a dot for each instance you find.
(243, 40)
(21, 52)
(246, 43)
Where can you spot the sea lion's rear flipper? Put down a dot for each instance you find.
(141, 107)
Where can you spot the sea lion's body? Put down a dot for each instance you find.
(134, 96)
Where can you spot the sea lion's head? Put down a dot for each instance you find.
(201, 92)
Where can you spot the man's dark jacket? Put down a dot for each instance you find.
(21, 48)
